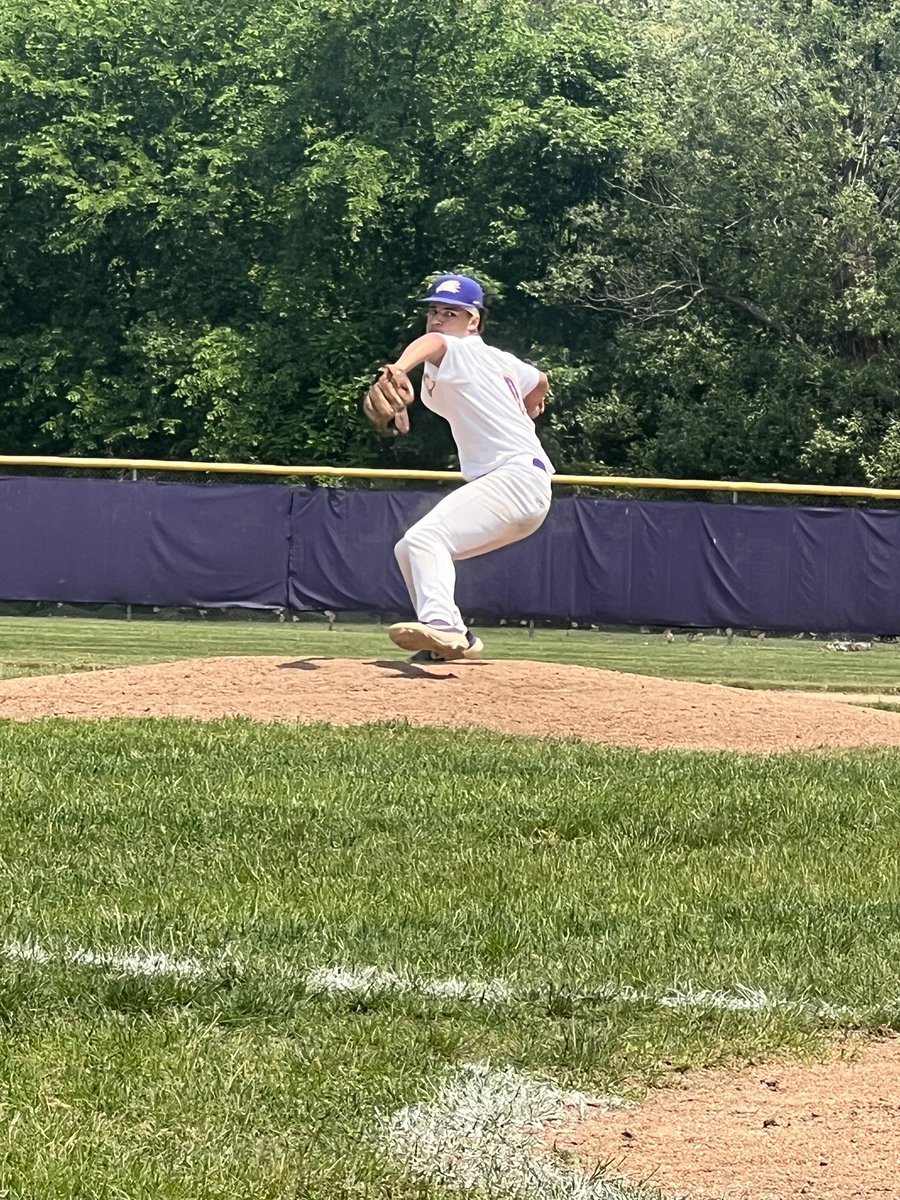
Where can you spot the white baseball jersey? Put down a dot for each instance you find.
(480, 391)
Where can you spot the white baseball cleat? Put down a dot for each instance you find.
(414, 635)
(475, 648)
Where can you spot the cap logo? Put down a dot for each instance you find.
(455, 289)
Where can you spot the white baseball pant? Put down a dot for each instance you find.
(495, 510)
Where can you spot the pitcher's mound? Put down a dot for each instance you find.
(510, 696)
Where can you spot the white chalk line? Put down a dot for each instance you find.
(482, 1130)
(368, 981)
(120, 962)
(375, 981)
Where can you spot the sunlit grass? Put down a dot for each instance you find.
(47, 645)
(590, 882)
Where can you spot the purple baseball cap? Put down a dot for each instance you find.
(459, 290)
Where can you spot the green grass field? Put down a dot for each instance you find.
(179, 898)
(45, 645)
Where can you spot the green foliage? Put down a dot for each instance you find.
(750, 248)
(218, 215)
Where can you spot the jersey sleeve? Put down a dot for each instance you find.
(526, 374)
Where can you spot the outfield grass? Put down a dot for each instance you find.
(591, 883)
(46, 645)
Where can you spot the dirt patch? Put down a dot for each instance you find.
(829, 1131)
(541, 699)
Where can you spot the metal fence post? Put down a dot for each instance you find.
(134, 476)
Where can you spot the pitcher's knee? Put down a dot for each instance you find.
(417, 541)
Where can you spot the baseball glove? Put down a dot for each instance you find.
(387, 400)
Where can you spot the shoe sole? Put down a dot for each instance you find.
(416, 637)
(425, 658)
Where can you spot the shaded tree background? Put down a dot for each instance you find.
(218, 215)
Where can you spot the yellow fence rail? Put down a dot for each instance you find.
(623, 482)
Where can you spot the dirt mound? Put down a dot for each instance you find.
(534, 698)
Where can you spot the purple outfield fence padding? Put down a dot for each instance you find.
(103, 541)
(613, 562)
(622, 562)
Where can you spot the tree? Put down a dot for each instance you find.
(217, 213)
(751, 252)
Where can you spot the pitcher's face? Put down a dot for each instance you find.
(451, 319)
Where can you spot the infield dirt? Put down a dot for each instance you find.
(781, 1131)
(519, 697)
